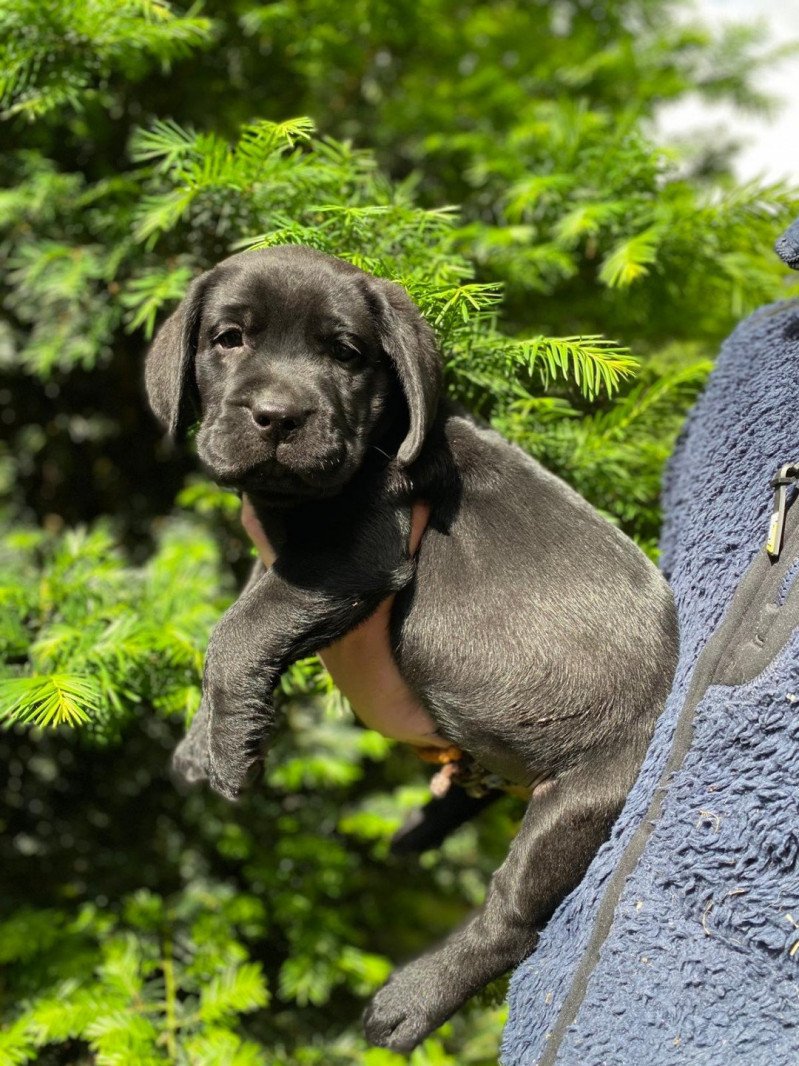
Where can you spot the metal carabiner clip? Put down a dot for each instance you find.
(786, 475)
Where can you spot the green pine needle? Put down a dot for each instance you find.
(54, 700)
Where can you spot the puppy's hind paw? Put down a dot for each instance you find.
(396, 1020)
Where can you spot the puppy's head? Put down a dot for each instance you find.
(295, 363)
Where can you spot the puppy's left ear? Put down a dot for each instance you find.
(169, 368)
(410, 344)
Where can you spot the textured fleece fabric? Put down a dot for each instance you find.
(700, 963)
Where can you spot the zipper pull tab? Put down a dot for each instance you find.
(787, 475)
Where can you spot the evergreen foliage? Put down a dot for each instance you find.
(498, 159)
(58, 55)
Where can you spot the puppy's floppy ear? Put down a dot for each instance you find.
(169, 367)
(410, 345)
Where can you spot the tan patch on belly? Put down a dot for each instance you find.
(364, 670)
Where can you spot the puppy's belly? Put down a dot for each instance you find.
(364, 670)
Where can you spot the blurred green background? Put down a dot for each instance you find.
(500, 159)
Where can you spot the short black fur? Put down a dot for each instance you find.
(538, 637)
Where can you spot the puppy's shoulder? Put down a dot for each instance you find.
(482, 456)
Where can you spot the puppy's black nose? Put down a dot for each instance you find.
(276, 420)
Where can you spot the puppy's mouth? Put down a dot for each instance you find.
(273, 480)
(270, 481)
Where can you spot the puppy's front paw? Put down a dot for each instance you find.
(189, 765)
(190, 760)
(235, 743)
(231, 783)
(220, 749)
(407, 1009)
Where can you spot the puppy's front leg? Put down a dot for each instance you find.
(562, 829)
(190, 760)
(309, 598)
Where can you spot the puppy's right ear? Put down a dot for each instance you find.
(169, 367)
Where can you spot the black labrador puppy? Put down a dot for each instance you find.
(538, 637)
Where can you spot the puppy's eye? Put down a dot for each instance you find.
(229, 338)
(343, 352)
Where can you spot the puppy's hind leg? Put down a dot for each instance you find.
(564, 825)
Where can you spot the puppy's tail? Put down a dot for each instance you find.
(430, 825)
